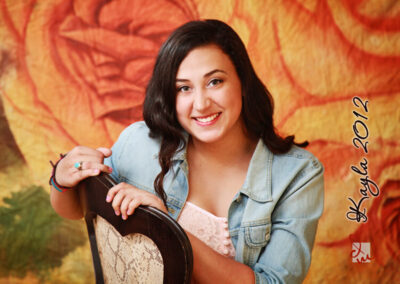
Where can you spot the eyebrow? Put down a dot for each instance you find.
(205, 75)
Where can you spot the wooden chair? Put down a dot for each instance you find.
(148, 247)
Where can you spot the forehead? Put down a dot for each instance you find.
(204, 59)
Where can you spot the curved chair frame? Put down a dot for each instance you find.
(164, 231)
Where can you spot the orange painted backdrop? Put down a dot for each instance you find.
(74, 72)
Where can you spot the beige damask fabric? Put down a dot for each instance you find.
(131, 259)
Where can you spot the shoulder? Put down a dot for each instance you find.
(298, 169)
(296, 152)
(135, 156)
(138, 129)
(297, 159)
(270, 175)
(136, 138)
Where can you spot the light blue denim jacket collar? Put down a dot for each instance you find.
(259, 171)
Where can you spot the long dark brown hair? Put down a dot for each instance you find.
(159, 106)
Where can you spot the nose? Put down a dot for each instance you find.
(201, 101)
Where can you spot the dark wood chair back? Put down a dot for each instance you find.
(170, 239)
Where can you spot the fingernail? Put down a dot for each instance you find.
(124, 217)
(108, 199)
(110, 169)
(96, 171)
(117, 212)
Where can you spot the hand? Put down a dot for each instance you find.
(92, 164)
(126, 198)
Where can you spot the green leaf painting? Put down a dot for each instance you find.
(33, 238)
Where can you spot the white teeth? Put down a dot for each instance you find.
(207, 119)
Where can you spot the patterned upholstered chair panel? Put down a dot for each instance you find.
(134, 258)
(149, 247)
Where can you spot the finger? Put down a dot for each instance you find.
(113, 191)
(105, 151)
(83, 174)
(90, 165)
(67, 174)
(132, 206)
(116, 203)
(124, 207)
(80, 151)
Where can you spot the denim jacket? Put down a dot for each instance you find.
(272, 219)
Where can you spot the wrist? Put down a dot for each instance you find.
(58, 187)
(53, 182)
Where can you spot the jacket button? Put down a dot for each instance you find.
(267, 236)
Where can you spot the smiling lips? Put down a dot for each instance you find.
(207, 120)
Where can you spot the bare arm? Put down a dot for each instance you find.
(66, 203)
(212, 267)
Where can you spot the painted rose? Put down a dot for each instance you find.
(315, 56)
(385, 224)
(103, 53)
(314, 96)
(80, 69)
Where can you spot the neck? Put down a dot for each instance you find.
(227, 151)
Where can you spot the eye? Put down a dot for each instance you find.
(182, 89)
(214, 82)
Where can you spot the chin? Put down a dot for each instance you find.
(207, 137)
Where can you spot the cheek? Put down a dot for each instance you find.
(182, 107)
(237, 110)
(233, 102)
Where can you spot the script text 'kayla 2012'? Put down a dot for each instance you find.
(369, 189)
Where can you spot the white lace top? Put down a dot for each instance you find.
(210, 229)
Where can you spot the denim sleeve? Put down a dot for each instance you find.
(287, 257)
(118, 149)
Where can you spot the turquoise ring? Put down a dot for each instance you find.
(78, 165)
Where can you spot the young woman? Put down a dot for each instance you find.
(208, 155)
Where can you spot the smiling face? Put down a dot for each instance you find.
(209, 96)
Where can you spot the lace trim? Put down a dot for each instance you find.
(210, 229)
